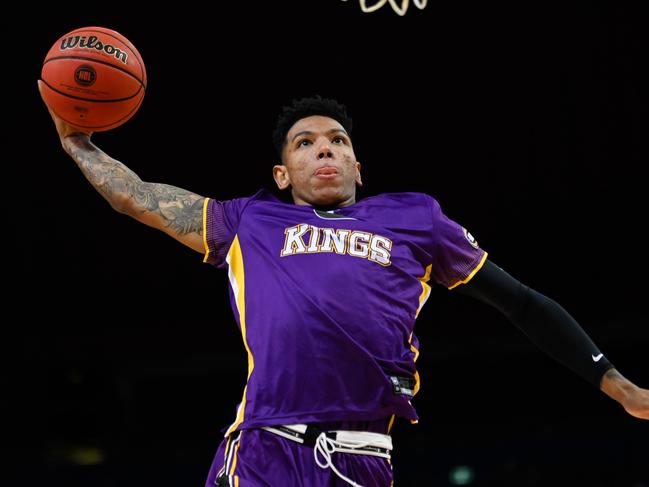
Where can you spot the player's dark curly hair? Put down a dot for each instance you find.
(307, 107)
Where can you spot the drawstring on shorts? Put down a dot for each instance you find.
(325, 443)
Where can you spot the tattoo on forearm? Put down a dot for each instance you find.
(181, 209)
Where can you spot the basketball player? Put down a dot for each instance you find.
(326, 292)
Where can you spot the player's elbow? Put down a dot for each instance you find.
(123, 203)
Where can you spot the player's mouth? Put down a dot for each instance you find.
(326, 172)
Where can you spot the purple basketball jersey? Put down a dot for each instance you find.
(327, 301)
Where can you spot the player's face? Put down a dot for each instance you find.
(319, 164)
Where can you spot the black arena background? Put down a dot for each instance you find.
(527, 121)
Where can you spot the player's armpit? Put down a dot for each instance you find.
(175, 211)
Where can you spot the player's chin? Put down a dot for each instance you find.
(329, 195)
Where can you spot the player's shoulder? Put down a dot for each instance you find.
(260, 196)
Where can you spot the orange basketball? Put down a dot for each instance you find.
(94, 78)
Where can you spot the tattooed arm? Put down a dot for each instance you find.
(175, 211)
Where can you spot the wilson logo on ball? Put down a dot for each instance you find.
(85, 75)
(92, 42)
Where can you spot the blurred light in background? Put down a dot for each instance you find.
(76, 455)
(461, 475)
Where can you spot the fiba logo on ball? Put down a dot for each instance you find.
(85, 75)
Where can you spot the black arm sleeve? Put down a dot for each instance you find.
(543, 320)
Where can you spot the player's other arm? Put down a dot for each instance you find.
(552, 329)
(175, 211)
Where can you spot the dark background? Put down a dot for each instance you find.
(527, 123)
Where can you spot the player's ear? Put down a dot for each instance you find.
(359, 182)
(281, 177)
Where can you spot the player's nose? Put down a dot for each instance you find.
(324, 151)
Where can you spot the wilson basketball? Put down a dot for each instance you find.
(94, 78)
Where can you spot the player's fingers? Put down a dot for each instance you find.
(40, 90)
(638, 404)
(62, 127)
(639, 414)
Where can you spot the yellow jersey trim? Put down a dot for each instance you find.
(413, 348)
(225, 456)
(234, 457)
(391, 422)
(425, 289)
(423, 297)
(417, 378)
(238, 283)
(473, 272)
(207, 248)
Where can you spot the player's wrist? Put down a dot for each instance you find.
(617, 386)
(76, 141)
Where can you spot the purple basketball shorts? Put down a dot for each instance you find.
(256, 458)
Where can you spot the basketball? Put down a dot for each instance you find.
(94, 79)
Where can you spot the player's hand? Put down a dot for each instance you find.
(64, 129)
(634, 399)
(637, 403)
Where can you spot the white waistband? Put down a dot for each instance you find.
(357, 442)
(325, 443)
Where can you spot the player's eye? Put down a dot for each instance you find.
(338, 140)
(304, 143)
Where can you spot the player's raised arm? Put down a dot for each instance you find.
(175, 211)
